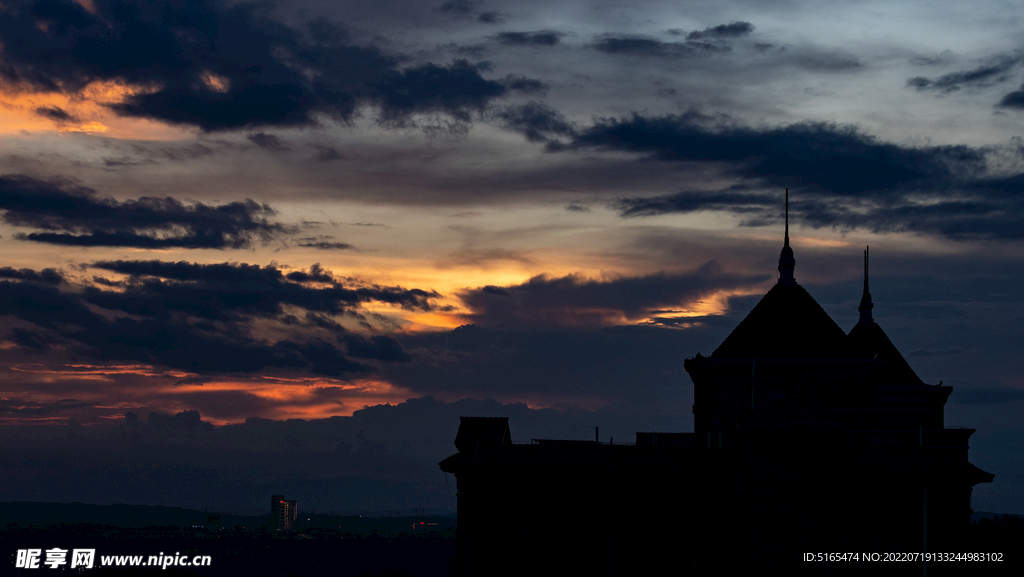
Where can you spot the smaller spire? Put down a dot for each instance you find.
(786, 260)
(865, 301)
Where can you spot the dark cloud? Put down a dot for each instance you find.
(77, 216)
(326, 153)
(524, 85)
(326, 245)
(652, 47)
(24, 408)
(994, 72)
(55, 113)
(692, 201)
(492, 17)
(991, 214)
(943, 58)
(228, 291)
(188, 421)
(201, 318)
(464, 9)
(460, 7)
(574, 207)
(576, 301)
(269, 142)
(35, 341)
(380, 347)
(845, 179)
(1014, 99)
(47, 275)
(175, 343)
(457, 90)
(827, 61)
(222, 67)
(541, 38)
(475, 51)
(733, 29)
(821, 155)
(136, 154)
(535, 120)
(312, 241)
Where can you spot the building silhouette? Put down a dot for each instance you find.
(282, 513)
(806, 439)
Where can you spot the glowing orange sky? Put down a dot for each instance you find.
(88, 110)
(145, 386)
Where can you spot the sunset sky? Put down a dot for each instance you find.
(530, 209)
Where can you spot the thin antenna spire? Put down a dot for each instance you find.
(786, 260)
(787, 218)
(865, 301)
(866, 249)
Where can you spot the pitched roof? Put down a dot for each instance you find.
(868, 340)
(787, 323)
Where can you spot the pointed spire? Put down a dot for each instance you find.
(786, 260)
(865, 301)
(787, 218)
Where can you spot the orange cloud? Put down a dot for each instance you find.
(86, 371)
(107, 392)
(22, 109)
(434, 321)
(215, 83)
(711, 305)
(295, 398)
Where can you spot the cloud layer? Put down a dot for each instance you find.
(576, 301)
(221, 67)
(222, 319)
(76, 216)
(843, 178)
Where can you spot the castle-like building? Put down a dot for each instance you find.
(806, 439)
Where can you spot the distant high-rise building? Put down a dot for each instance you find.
(282, 513)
